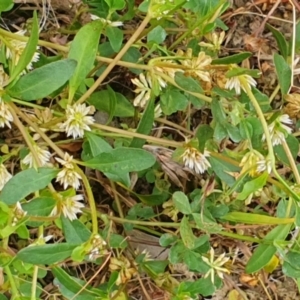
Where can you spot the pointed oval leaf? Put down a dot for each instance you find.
(83, 49)
(25, 183)
(122, 160)
(284, 73)
(182, 203)
(145, 125)
(29, 50)
(264, 252)
(46, 254)
(73, 284)
(43, 81)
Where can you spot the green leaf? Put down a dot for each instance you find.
(182, 203)
(188, 83)
(115, 4)
(84, 49)
(112, 103)
(167, 239)
(29, 51)
(233, 59)
(145, 125)
(74, 231)
(97, 144)
(281, 42)
(186, 233)
(157, 35)
(155, 267)
(122, 160)
(203, 134)
(240, 217)
(172, 101)
(221, 168)
(43, 81)
(203, 287)
(242, 71)
(73, 284)
(102, 101)
(206, 222)
(297, 36)
(252, 186)
(284, 73)
(117, 241)
(264, 252)
(46, 254)
(6, 5)
(40, 206)
(293, 144)
(25, 183)
(115, 37)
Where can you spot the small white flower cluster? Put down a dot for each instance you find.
(69, 206)
(77, 120)
(42, 155)
(216, 265)
(144, 88)
(68, 175)
(195, 160)
(235, 83)
(278, 129)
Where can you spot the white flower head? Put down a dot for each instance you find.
(107, 22)
(42, 155)
(5, 176)
(279, 130)
(97, 247)
(215, 40)
(16, 48)
(195, 160)
(196, 65)
(70, 207)
(77, 120)
(5, 115)
(215, 265)
(235, 83)
(68, 176)
(144, 86)
(264, 165)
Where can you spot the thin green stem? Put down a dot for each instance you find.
(14, 289)
(130, 134)
(24, 133)
(267, 135)
(91, 200)
(261, 118)
(291, 160)
(39, 131)
(177, 225)
(115, 60)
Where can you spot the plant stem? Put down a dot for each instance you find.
(14, 290)
(115, 60)
(267, 135)
(91, 200)
(177, 225)
(25, 135)
(291, 160)
(39, 131)
(130, 134)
